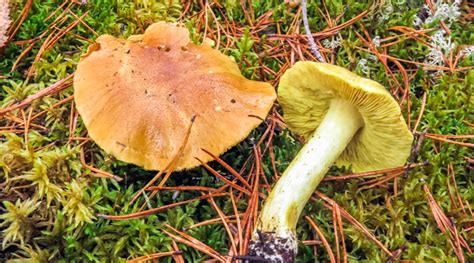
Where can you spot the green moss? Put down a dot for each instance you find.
(51, 200)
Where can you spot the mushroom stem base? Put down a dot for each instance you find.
(288, 197)
(272, 247)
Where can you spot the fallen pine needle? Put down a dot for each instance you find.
(323, 239)
(154, 256)
(155, 210)
(56, 87)
(194, 243)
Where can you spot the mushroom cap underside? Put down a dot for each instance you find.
(305, 93)
(137, 98)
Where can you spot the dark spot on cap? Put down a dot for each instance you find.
(233, 100)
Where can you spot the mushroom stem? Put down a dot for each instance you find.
(277, 223)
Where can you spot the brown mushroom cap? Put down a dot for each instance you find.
(305, 93)
(137, 98)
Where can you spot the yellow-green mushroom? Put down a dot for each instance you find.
(345, 119)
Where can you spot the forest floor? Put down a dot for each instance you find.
(58, 187)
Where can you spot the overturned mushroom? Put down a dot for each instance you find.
(138, 96)
(345, 119)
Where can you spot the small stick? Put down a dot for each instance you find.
(414, 152)
(314, 47)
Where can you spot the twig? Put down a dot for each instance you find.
(414, 152)
(314, 47)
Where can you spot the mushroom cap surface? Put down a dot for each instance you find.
(305, 93)
(137, 98)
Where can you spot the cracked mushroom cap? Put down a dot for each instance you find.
(137, 98)
(305, 93)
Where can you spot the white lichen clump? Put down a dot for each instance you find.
(376, 41)
(467, 51)
(4, 22)
(363, 67)
(441, 45)
(446, 12)
(335, 42)
(386, 12)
